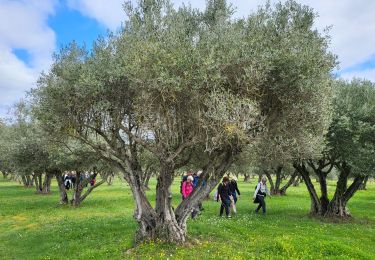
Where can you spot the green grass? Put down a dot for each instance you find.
(36, 227)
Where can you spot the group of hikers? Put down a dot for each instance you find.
(227, 193)
(70, 179)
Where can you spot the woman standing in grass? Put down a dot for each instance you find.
(223, 193)
(233, 187)
(260, 194)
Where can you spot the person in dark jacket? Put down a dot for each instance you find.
(233, 187)
(224, 194)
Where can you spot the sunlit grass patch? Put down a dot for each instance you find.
(103, 227)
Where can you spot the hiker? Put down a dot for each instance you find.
(68, 181)
(183, 179)
(260, 194)
(92, 182)
(234, 190)
(187, 187)
(223, 193)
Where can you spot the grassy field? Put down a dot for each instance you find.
(36, 227)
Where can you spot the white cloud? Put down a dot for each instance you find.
(23, 25)
(109, 13)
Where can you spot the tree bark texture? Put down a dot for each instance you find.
(337, 206)
(60, 181)
(163, 222)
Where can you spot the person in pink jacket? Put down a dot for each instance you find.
(187, 187)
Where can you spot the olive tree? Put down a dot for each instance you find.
(176, 81)
(349, 148)
(165, 84)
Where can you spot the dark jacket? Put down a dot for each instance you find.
(223, 191)
(195, 181)
(233, 187)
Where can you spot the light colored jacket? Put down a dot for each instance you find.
(262, 187)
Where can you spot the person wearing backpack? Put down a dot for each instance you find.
(224, 194)
(260, 194)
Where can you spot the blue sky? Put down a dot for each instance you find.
(31, 30)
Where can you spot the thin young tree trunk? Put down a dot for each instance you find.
(246, 177)
(289, 183)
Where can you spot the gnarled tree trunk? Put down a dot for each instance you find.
(80, 185)
(164, 223)
(46, 189)
(316, 208)
(167, 226)
(337, 207)
(60, 183)
(275, 187)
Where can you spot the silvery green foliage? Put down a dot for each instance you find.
(297, 93)
(351, 137)
(179, 74)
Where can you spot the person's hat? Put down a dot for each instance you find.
(191, 178)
